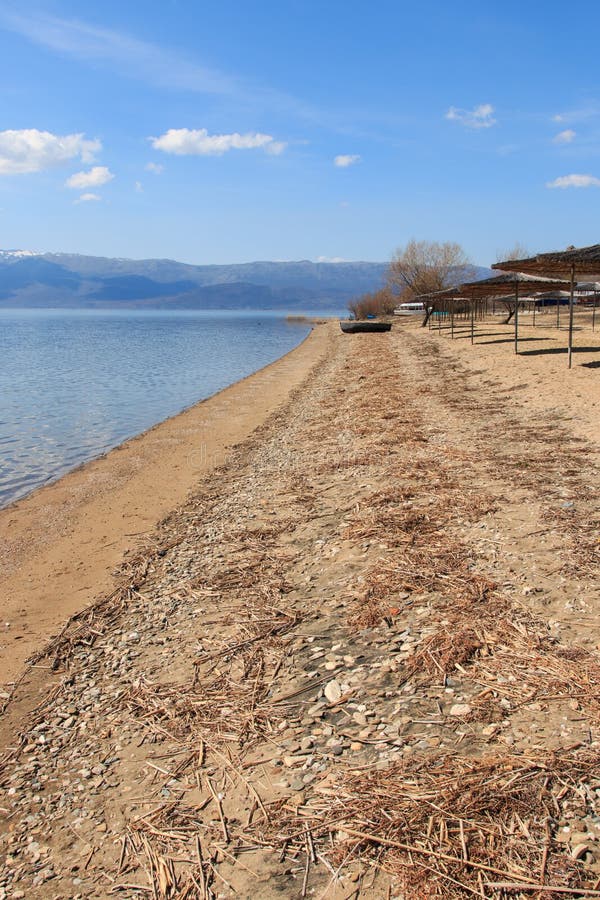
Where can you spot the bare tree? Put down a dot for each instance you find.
(379, 303)
(423, 267)
(517, 251)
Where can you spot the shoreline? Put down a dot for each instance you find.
(62, 542)
(64, 473)
(64, 468)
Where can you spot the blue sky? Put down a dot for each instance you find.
(290, 129)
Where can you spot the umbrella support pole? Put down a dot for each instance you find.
(516, 317)
(571, 305)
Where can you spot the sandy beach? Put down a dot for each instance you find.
(334, 634)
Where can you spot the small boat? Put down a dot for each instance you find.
(352, 327)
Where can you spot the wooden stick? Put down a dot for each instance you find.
(219, 806)
(413, 849)
(543, 888)
(201, 866)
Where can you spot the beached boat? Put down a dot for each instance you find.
(353, 327)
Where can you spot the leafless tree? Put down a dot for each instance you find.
(423, 267)
(517, 251)
(379, 303)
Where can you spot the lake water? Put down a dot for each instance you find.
(73, 384)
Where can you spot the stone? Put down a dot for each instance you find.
(489, 730)
(297, 784)
(460, 709)
(333, 691)
(579, 837)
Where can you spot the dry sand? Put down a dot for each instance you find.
(360, 660)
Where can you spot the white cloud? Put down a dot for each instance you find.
(30, 150)
(94, 178)
(275, 147)
(346, 159)
(153, 167)
(481, 116)
(576, 181)
(198, 142)
(564, 137)
(139, 189)
(331, 259)
(87, 198)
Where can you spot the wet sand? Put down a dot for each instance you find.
(60, 545)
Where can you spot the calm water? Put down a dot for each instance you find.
(73, 384)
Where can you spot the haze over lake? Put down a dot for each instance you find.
(73, 384)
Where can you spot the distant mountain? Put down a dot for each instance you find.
(29, 279)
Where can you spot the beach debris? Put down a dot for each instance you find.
(349, 691)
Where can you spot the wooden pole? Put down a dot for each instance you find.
(452, 321)
(516, 316)
(534, 306)
(558, 309)
(472, 321)
(571, 305)
(594, 313)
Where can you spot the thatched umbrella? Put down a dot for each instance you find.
(582, 262)
(445, 298)
(508, 284)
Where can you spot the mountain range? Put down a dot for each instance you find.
(43, 280)
(29, 279)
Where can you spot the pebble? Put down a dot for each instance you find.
(386, 704)
(333, 691)
(460, 709)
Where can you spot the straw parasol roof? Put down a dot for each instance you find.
(453, 293)
(585, 260)
(582, 262)
(500, 285)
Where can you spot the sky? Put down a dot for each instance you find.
(225, 131)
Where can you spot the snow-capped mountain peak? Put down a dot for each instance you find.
(18, 254)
